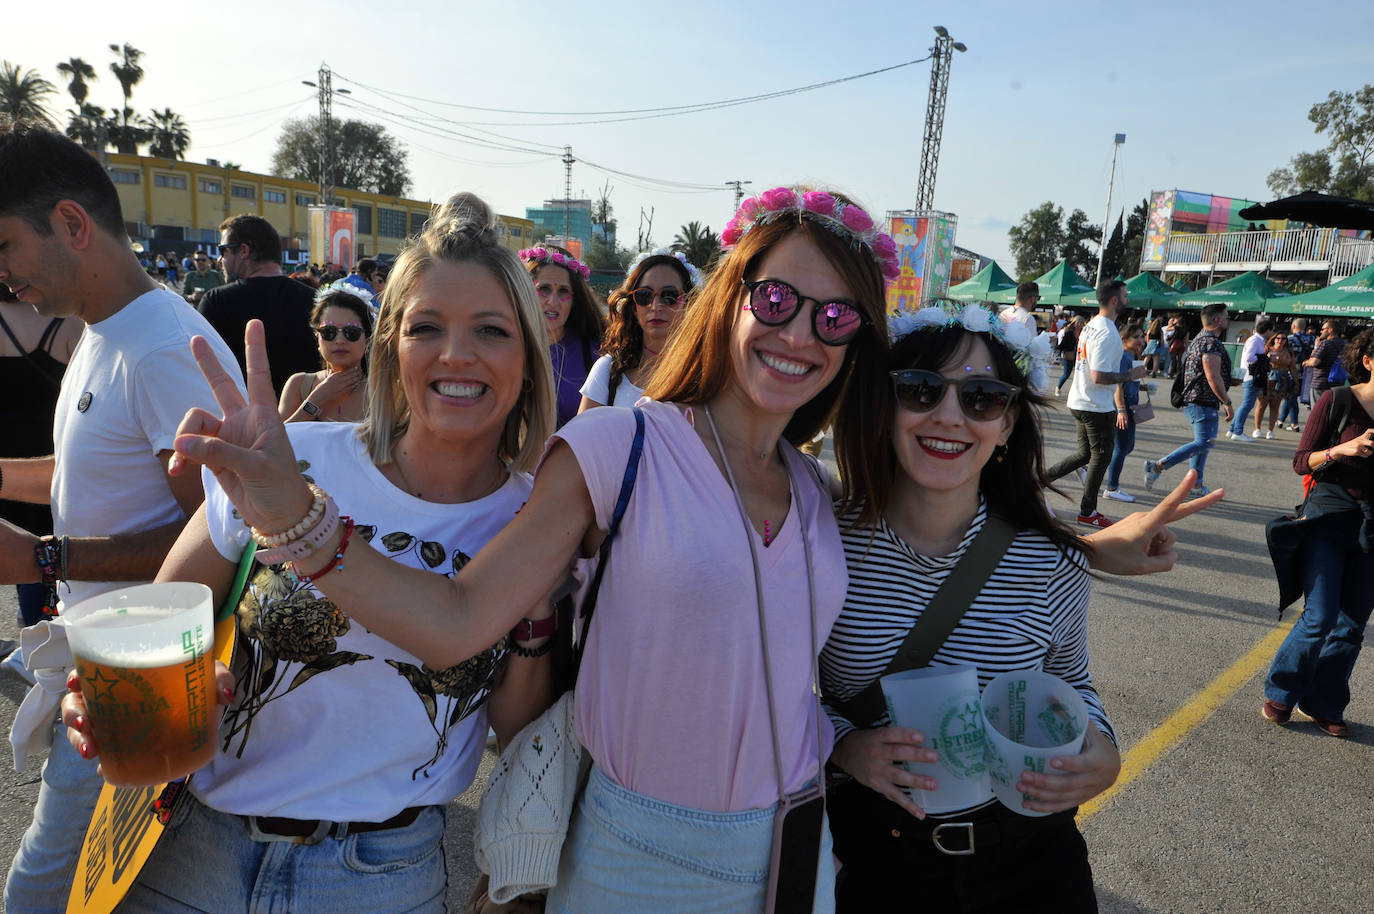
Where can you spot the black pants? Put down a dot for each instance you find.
(1096, 441)
(892, 866)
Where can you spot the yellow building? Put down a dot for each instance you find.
(166, 200)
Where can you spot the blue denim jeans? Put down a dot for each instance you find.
(1247, 402)
(1125, 443)
(1288, 415)
(41, 875)
(207, 861)
(31, 600)
(1312, 667)
(1068, 373)
(627, 852)
(1204, 421)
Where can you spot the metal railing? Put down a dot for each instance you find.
(1308, 248)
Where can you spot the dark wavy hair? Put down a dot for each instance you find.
(624, 338)
(1013, 488)
(584, 317)
(1352, 356)
(349, 302)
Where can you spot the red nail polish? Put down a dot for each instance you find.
(79, 722)
(227, 694)
(87, 751)
(73, 682)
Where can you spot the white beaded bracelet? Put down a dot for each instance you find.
(305, 546)
(312, 517)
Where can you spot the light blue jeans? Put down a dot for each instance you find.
(627, 852)
(40, 877)
(207, 861)
(1204, 421)
(1247, 402)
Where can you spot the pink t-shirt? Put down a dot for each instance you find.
(671, 700)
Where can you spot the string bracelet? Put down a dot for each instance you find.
(312, 517)
(336, 563)
(539, 651)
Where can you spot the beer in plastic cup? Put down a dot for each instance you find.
(1031, 717)
(942, 702)
(146, 661)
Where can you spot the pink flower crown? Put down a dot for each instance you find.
(541, 254)
(847, 220)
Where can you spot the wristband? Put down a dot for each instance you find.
(529, 629)
(47, 554)
(303, 548)
(336, 563)
(539, 651)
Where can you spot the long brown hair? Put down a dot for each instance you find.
(696, 365)
(584, 317)
(624, 338)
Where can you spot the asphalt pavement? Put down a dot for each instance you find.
(1218, 810)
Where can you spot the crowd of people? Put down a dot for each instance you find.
(428, 466)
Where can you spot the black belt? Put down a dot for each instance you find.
(984, 828)
(313, 831)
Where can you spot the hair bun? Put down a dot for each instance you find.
(463, 219)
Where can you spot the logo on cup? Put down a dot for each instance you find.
(960, 738)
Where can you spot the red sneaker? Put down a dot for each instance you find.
(1273, 711)
(1095, 519)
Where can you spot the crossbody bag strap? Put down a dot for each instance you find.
(627, 485)
(941, 615)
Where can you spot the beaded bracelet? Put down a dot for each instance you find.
(539, 651)
(47, 554)
(303, 548)
(336, 562)
(312, 517)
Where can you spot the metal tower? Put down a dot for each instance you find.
(739, 190)
(568, 161)
(327, 90)
(941, 54)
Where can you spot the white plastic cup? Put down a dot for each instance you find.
(942, 702)
(1030, 717)
(146, 660)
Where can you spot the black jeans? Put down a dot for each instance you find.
(1096, 441)
(892, 866)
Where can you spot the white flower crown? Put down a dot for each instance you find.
(1030, 351)
(680, 257)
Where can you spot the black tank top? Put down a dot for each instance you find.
(29, 384)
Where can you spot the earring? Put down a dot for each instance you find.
(527, 385)
(1000, 452)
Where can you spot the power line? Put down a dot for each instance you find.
(231, 117)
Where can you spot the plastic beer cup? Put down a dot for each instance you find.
(942, 702)
(146, 661)
(1031, 717)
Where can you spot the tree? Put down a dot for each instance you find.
(167, 134)
(1078, 233)
(698, 242)
(77, 72)
(1346, 166)
(129, 73)
(366, 157)
(604, 253)
(1038, 240)
(1135, 238)
(90, 127)
(1116, 250)
(23, 94)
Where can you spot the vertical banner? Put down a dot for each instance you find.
(332, 235)
(925, 246)
(1157, 229)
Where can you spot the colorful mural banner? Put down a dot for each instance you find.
(1157, 229)
(925, 245)
(332, 235)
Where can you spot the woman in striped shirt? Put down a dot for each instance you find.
(952, 460)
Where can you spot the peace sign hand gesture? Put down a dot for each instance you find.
(247, 448)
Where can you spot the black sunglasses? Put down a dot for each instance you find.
(230, 246)
(981, 399)
(644, 296)
(351, 332)
(775, 303)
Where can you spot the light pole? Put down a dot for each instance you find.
(1102, 248)
(327, 90)
(941, 54)
(739, 190)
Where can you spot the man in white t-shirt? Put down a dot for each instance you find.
(1255, 384)
(1092, 398)
(116, 511)
(1027, 294)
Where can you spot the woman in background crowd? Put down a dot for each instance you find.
(1280, 384)
(572, 320)
(336, 393)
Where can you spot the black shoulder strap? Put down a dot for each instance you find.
(50, 334)
(29, 355)
(943, 613)
(627, 485)
(1341, 400)
(613, 382)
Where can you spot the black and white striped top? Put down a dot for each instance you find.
(1032, 614)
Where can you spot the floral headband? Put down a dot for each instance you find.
(343, 285)
(847, 220)
(541, 254)
(692, 272)
(1030, 352)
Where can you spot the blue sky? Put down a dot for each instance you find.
(1211, 96)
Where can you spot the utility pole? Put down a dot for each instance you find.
(1102, 248)
(739, 190)
(327, 90)
(940, 55)
(568, 161)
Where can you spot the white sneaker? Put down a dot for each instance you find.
(1269, 435)
(1256, 434)
(1117, 495)
(1238, 439)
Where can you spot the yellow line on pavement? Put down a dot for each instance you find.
(1162, 739)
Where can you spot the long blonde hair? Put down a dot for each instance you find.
(462, 230)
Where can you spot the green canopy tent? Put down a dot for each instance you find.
(1246, 292)
(1181, 286)
(1146, 291)
(1353, 297)
(1061, 286)
(989, 284)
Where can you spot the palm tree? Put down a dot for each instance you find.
(698, 242)
(23, 94)
(77, 72)
(90, 127)
(129, 73)
(167, 133)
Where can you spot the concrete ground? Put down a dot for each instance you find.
(1217, 810)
